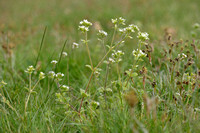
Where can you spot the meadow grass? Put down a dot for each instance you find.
(103, 84)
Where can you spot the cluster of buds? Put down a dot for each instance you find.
(83, 93)
(59, 98)
(97, 72)
(2, 83)
(94, 104)
(84, 26)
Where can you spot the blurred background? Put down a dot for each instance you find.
(22, 22)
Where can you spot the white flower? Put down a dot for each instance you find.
(114, 21)
(138, 53)
(102, 34)
(54, 62)
(111, 60)
(59, 76)
(85, 23)
(51, 74)
(117, 55)
(83, 29)
(143, 36)
(30, 69)
(64, 87)
(75, 45)
(41, 76)
(121, 30)
(182, 56)
(64, 54)
(122, 21)
(135, 27)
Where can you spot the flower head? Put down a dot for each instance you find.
(59, 76)
(83, 29)
(102, 34)
(75, 45)
(143, 36)
(30, 69)
(41, 76)
(64, 54)
(64, 87)
(116, 55)
(122, 21)
(84, 26)
(51, 74)
(85, 23)
(182, 56)
(138, 54)
(54, 62)
(114, 21)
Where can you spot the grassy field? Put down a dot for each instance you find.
(60, 75)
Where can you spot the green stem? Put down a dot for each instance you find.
(88, 51)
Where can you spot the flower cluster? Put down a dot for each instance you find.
(41, 76)
(64, 88)
(130, 29)
(51, 74)
(83, 94)
(138, 54)
(182, 56)
(84, 26)
(143, 36)
(119, 20)
(102, 34)
(30, 69)
(75, 45)
(58, 76)
(94, 104)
